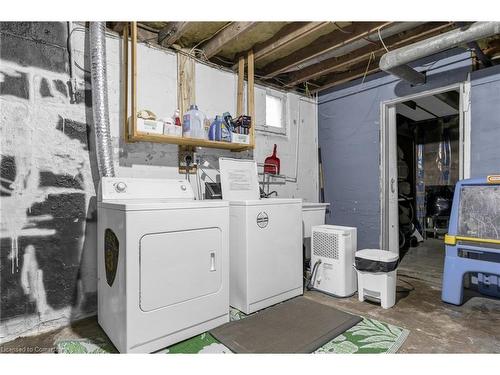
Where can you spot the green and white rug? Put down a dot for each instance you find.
(368, 336)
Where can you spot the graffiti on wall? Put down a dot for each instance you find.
(48, 220)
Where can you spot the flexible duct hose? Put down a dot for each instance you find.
(100, 99)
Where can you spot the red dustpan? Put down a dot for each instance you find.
(272, 163)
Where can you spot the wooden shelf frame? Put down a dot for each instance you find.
(190, 142)
(130, 130)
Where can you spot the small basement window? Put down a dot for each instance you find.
(275, 114)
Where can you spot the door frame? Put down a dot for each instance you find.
(389, 230)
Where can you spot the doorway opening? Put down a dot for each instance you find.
(424, 153)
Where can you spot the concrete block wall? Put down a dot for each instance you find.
(48, 171)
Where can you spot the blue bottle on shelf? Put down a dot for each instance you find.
(219, 131)
(214, 131)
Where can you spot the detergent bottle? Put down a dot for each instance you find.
(219, 131)
(227, 128)
(225, 131)
(215, 129)
(193, 123)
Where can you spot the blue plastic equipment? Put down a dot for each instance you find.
(473, 239)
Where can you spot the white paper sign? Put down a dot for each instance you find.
(239, 179)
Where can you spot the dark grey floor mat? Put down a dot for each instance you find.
(299, 325)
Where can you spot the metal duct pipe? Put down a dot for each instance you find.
(100, 108)
(394, 62)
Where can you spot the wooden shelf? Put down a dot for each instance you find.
(193, 142)
(130, 130)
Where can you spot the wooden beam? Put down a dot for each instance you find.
(285, 36)
(225, 36)
(125, 80)
(322, 45)
(171, 33)
(251, 96)
(186, 72)
(353, 58)
(241, 83)
(133, 86)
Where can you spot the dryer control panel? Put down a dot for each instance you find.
(112, 188)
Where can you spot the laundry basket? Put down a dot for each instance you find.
(377, 275)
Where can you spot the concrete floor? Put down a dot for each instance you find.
(435, 327)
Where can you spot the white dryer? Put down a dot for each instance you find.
(163, 265)
(265, 240)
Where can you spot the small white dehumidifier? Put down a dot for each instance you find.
(332, 260)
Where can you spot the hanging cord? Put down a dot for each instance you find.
(312, 280)
(380, 38)
(84, 29)
(367, 67)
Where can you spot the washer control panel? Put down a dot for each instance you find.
(144, 188)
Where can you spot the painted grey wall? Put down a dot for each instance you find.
(349, 137)
(485, 122)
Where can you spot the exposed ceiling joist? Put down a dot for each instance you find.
(347, 76)
(171, 33)
(355, 57)
(322, 45)
(225, 36)
(287, 35)
(323, 54)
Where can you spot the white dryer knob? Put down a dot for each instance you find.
(121, 187)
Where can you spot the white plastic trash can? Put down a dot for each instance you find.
(377, 275)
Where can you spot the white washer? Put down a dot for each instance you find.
(265, 240)
(163, 265)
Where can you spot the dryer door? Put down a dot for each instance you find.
(179, 266)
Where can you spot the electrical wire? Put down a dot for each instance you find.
(202, 52)
(84, 29)
(380, 38)
(367, 67)
(210, 37)
(147, 41)
(312, 280)
(223, 60)
(341, 29)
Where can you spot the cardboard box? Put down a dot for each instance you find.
(240, 138)
(149, 126)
